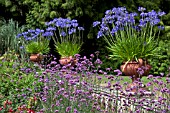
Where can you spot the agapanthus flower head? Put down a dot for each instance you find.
(141, 9)
(161, 13)
(63, 23)
(34, 34)
(161, 27)
(81, 28)
(63, 34)
(120, 17)
(96, 23)
(47, 34)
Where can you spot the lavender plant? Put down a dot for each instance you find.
(127, 39)
(67, 36)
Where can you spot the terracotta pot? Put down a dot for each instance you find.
(68, 60)
(36, 57)
(131, 69)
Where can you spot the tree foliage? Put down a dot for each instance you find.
(36, 12)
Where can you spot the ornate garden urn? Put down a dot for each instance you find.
(36, 57)
(135, 70)
(68, 60)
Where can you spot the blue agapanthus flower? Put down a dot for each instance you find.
(96, 23)
(75, 24)
(141, 9)
(121, 18)
(161, 13)
(19, 35)
(63, 34)
(161, 27)
(51, 29)
(81, 28)
(47, 34)
(21, 47)
(100, 34)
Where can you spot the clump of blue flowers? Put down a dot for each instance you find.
(119, 18)
(35, 34)
(127, 38)
(35, 41)
(67, 36)
(66, 33)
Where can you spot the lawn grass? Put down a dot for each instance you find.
(127, 79)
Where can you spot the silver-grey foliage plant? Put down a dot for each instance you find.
(8, 31)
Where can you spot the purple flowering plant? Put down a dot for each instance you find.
(68, 89)
(128, 39)
(67, 36)
(35, 34)
(36, 41)
(16, 80)
(79, 89)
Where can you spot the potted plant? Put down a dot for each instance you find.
(67, 50)
(37, 49)
(129, 41)
(36, 43)
(67, 38)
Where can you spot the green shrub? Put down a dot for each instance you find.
(16, 80)
(161, 63)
